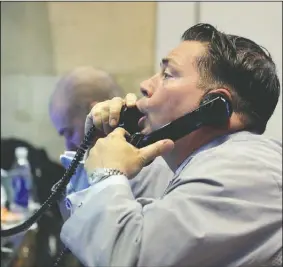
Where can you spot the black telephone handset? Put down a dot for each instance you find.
(129, 117)
(215, 110)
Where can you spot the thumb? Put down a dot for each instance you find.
(159, 148)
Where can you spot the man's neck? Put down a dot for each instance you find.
(189, 144)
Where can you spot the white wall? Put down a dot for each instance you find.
(172, 20)
(259, 21)
(24, 111)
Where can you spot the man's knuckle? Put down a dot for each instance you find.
(114, 112)
(131, 95)
(142, 162)
(99, 141)
(112, 134)
(105, 107)
(105, 117)
(157, 150)
(96, 113)
(117, 99)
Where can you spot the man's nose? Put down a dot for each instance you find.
(147, 87)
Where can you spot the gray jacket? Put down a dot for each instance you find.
(222, 209)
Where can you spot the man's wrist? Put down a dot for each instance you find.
(100, 174)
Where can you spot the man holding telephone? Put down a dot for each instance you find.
(223, 206)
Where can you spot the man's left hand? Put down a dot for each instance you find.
(115, 152)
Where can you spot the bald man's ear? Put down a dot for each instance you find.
(92, 104)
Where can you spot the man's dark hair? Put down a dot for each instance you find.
(244, 67)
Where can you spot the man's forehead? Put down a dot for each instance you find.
(185, 51)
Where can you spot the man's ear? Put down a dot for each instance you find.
(92, 104)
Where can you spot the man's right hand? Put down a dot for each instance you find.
(105, 115)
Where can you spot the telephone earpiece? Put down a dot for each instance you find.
(220, 107)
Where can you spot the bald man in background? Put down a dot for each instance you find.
(74, 96)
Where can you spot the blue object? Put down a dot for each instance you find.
(21, 191)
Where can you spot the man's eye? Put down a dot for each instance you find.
(166, 76)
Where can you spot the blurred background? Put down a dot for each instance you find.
(41, 41)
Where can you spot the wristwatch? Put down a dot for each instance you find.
(101, 174)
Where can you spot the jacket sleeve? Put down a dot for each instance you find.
(150, 182)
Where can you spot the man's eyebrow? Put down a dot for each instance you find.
(164, 62)
(167, 61)
(61, 132)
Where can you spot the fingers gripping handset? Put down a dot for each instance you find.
(107, 115)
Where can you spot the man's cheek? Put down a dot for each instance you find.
(156, 103)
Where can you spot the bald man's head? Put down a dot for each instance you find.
(73, 97)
